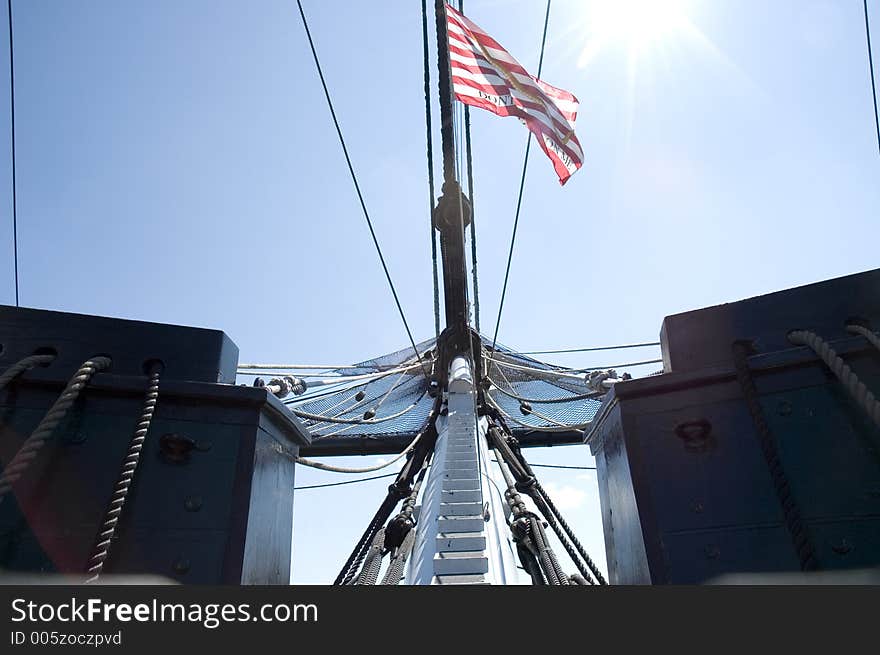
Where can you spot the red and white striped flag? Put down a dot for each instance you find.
(485, 75)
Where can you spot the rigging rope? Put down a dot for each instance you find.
(470, 183)
(855, 387)
(527, 530)
(430, 144)
(522, 183)
(589, 350)
(101, 551)
(12, 143)
(528, 483)
(871, 67)
(368, 469)
(568, 372)
(872, 337)
(370, 573)
(795, 525)
(522, 399)
(344, 482)
(339, 378)
(395, 568)
(28, 450)
(22, 365)
(358, 421)
(323, 367)
(560, 427)
(354, 180)
(397, 490)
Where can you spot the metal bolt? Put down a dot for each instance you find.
(842, 547)
(698, 507)
(783, 408)
(175, 447)
(712, 551)
(193, 504)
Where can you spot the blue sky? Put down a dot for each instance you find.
(177, 163)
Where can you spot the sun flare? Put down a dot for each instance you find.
(636, 26)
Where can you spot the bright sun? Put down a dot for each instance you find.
(635, 25)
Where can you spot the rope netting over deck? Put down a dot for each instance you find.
(397, 400)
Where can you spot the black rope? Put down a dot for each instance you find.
(395, 494)
(871, 63)
(566, 399)
(527, 483)
(339, 484)
(793, 522)
(356, 185)
(589, 350)
(570, 533)
(522, 183)
(430, 143)
(530, 565)
(470, 178)
(370, 573)
(12, 121)
(554, 466)
(470, 181)
(352, 564)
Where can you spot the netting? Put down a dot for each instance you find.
(398, 403)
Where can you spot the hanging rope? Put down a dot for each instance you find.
(398, 490)
(570, 372)
(358, 421)
(522, 183)
(855, 387)
(53, 417)
(344, 482)
(589, 350)
(429, 138)
(12, 142)
(528, 532)
(355, 181)
(527, 482)
(373, 562)
(570, 534)
(101, 551)
(559, 427)
(400, 532)
(872, 337)
(795, 525)
(330, 376)
(22, 365)
(394, 574)
(522, 399)
(470, 183)
(367, 469)
(349, 569)
(871, 68)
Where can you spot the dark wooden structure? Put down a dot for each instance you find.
(686, 491)
(212, 500)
